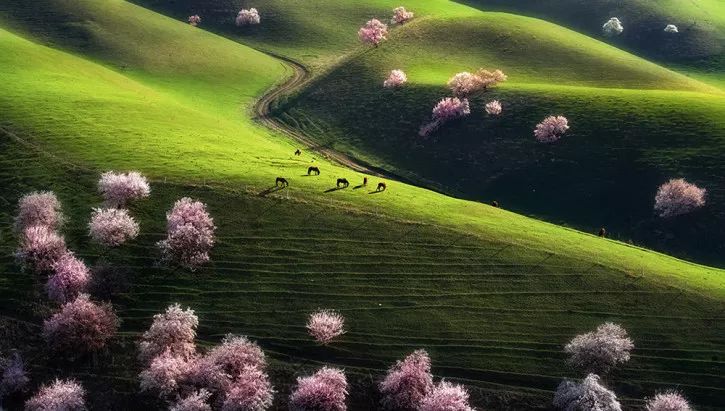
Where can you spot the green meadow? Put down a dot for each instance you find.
(492, 293)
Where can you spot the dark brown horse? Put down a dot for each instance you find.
(298, 152)
(365, 181)
(602, 232)
(281, 181)
(381, 187)
(342, 182)
(494, 203)
(313, 169)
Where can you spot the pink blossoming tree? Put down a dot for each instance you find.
(14, 378)
(395, 79)
(112, 227)
(490, 78)
(190, 234)
(551, 129)
(194, 20)
(407, 382)
(325, 325)
(118, 189)
(70, 277)
(677, 197)
(446, 397)
(81, 325)
(401, 15)
(588, 395)
(39, 209)
(464, 84)
(494, 108)
(667, 401)
(324, 390)
(248, 17)
(174, 331)
(251, 391)
(165, 375)
(196, 401)
(219, 369)
(59, 396)
(373, 32)
(40, 248)
(601, 350)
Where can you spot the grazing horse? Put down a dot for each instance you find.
(381, 187)
(342, 182)
(602, 232)
(281, 181)
(298, 152)
(313, 169)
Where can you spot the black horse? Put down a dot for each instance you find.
(313, 169)
(365, 181)
(298, 152)
(342, 182)
(494, 203)
(381, 187)
(281, 181)
(602, 232)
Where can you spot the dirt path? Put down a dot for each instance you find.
(300, 77)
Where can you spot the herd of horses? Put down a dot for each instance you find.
(341, 182)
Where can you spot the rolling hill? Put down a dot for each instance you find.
(632, 126)
(493, 295)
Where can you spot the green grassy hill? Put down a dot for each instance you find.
(491, 294)
(697, 47)
(632, 122)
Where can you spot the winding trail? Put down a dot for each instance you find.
(262, 109)
(301, 76)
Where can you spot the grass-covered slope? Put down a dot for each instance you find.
(493, 314)
(493, 295)
(699, 45)
(624, 141)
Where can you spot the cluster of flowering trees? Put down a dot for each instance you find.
(112, 225)
(463, 85)
(409, 385)
(231, 376)
(598, 352)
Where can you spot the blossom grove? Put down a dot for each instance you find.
(551, 129)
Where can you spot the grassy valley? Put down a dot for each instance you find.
(492, 295)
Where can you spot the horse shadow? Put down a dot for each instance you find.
(270, 190)
(334, 189)
(358, 187)
(376, 192)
